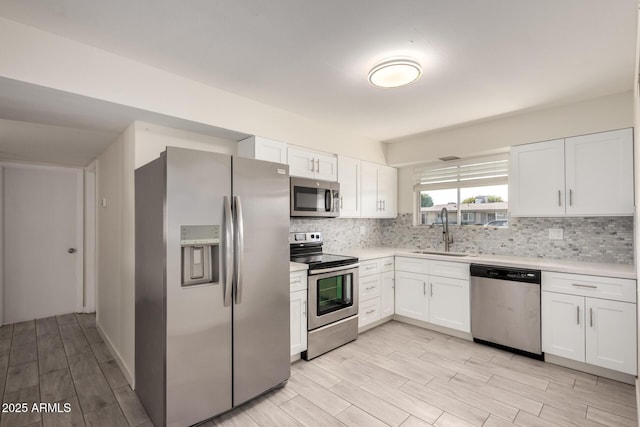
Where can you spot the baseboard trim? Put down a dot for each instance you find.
(116, 355)
(591, 369)
(375, 324)
(426, 325)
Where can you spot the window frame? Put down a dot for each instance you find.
(464, 173)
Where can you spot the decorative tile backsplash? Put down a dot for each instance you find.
(601, 239)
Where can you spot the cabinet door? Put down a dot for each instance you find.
(387, 293)
(369, 312)
(611, 334)
(411, 295)
(563, 325)
(536, 179)
(449, 303)
(369, 190)
(369, 287)
(298, 322)
(388, 191)
(326, 166)
(349, 178)
(301, 162)
(599, 173)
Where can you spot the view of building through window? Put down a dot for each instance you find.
(486, 205)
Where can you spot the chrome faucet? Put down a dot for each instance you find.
(446, 237)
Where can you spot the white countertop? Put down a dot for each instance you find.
(297, 266)
(623, 271)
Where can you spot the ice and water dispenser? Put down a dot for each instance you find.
(200, 245)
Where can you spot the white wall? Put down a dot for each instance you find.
(605, 113)
(151, 140)
(115, 291)
(37, 57)
(602, 114)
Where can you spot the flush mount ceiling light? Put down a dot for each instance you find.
(395, 72)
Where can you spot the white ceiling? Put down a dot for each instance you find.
(481, 58)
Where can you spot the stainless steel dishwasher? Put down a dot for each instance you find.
(505, 308)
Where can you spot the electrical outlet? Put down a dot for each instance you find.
(362, 230)
(555, 234)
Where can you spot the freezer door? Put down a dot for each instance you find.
(261, 358)
(199, 342)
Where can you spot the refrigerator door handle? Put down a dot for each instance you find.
(239, 247)
(228, 251)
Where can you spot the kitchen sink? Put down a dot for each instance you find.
(457, 254)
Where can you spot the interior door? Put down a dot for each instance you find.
(43, 242)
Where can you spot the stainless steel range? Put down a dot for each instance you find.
(332, 294)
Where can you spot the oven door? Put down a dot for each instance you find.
(333, 295)
(310, 197)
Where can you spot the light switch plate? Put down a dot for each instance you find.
(362, 230)
(556, 234)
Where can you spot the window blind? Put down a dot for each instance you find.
(476, 172)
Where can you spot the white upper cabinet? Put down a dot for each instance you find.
(599, 171)
(349, 178)
(589, 175)
(536, 179)
(257, 147)
(379, 190)
(312, 164)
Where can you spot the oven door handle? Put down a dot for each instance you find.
(331, 270)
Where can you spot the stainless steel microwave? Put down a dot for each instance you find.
(315, 198)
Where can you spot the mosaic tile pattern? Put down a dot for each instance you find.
(601, 239)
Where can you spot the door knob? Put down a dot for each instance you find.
(72, 250)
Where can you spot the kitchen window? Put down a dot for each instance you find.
(474, 191)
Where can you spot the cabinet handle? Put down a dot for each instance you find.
(577, 314)
(393, 286)
(570, 197)
(369, 288)
(559, 198)
(318, 167)
(424, 288)
(591, 317)
(312, 169)
(584, 286)
(304, 308)
(341, 204)
(431, 288)
(384, 205)
(370, 311)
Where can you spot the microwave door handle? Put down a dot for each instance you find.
(239, 247)
(328, 201)
(228, 251)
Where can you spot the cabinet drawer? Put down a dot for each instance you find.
(412, 265)
(454, 270)
(591, 286)
(368, 268)
(369, 287)
(386, 264)
(298, 281)
(369, 312)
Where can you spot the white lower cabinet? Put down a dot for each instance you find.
(411, 295)
(387, 293)
(582, 327)
(298, 312)
(447, 305)
(375, 290)
(433, 291)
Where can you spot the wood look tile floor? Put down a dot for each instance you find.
(63, 360)
(402, 375)
(396, 374)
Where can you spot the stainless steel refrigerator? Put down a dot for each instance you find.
(212, 283)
